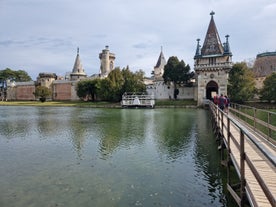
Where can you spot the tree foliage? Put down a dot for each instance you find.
(17, 76)
(133, 82)
(88, 89)
(268, 92)
(113, 87)
(42, 93)
(177, 72)
(241, 84)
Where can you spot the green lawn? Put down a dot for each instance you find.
(159, 103)
(260, 114)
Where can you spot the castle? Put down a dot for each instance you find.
(212, 63)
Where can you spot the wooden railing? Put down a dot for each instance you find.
(225, 127)
(261, 121)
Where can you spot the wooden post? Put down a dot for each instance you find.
(228, 151)
(255, 118)
(268, 127)
(242, 163)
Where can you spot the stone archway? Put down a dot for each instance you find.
(211, 89)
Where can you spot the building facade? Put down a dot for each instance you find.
(212, 63)
(264, 65)
(107, 62)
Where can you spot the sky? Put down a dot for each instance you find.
(43, 35)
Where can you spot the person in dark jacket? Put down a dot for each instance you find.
(221, 102)
(227, 103)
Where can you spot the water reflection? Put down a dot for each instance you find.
(174, 132)
(12, 124)
(205, 150)
(108, 157)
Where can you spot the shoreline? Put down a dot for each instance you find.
(163, 104)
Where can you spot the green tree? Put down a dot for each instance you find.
(133, 82)
(177, 72)
(268, 92)
(104, 90)
(241, 84)
(42, 92)
(116, 82)
(88, 89)
(17, 76)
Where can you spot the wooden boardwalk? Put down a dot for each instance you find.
(253, 158)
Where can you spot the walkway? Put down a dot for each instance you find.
(253, 157)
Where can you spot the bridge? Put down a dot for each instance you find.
(250, 152)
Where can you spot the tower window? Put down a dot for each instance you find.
(212, 61)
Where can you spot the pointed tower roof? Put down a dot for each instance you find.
(78, 69)
(212, 44)
(161, 60)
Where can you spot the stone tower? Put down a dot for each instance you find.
(159, 67)
(212, 63)
(107, 62)
(78, 71)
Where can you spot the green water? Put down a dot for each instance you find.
(108, 157)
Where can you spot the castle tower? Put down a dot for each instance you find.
(212, 63)
(159, 67)
(107, 62)
(78, 71)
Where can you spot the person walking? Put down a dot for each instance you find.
(227, 103)
(215, 99)
(221, 102)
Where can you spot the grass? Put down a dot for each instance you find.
(159, 103)
(261, 115)
(175, 103)
(60, 103)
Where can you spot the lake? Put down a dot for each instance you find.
(67, 156)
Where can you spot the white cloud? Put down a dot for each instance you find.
(43, 35)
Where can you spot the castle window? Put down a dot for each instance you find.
(212, 61)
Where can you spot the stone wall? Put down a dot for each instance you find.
(24, 92)
(64, 90)
(164, 91)
(265, 64)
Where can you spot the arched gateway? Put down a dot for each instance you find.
(211, 89)
(212, 62)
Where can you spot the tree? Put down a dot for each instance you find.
(42, 92)
(17, 76)
(268, 92)
(88, 89)
(177, 72)
(113, 87)
(116, 82)
(241, 84)
(133, 82)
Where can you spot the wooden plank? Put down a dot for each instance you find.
(264, 167)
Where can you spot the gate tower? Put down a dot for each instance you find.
(212, 62)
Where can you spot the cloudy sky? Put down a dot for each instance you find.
(43, 35)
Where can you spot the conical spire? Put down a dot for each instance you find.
(161, 60)
(78, 66)
(78, 71)
(212, 44)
